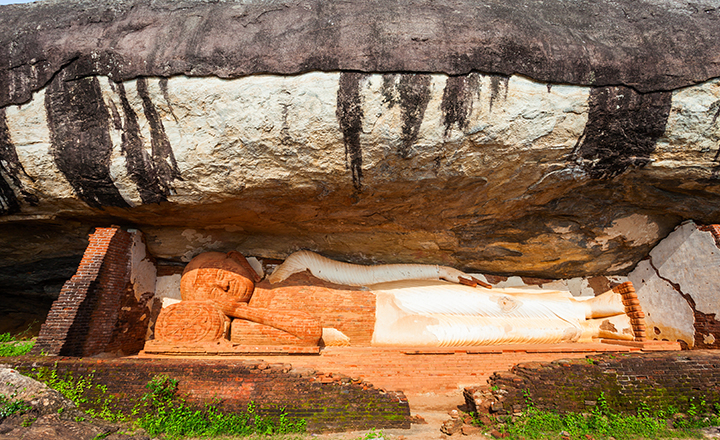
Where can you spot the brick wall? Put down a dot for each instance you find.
(84, 319)
(627, 380)
(348, 309)
(326, 402)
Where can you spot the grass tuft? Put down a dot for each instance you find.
(10, 346)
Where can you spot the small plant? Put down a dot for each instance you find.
(9, 406)
(83, 392)
(528, 399)
(162, 389)
(73, 389)
(374, 434)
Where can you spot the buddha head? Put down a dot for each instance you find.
(216, 275)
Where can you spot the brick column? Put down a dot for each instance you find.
(82, 319)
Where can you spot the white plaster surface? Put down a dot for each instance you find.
(690, 258)
(168, 286)
(667, 314)
(143, 272)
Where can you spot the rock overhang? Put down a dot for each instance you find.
(412, 190)
(649, 45)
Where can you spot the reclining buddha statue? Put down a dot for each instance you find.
(310, 300)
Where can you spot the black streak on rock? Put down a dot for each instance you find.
(80, 136)
(414, 91)
(388, 89)
(495, 81)
(457, 100)
(622, 130)
(117, 121)
(350, 115)
(163, 83)
(163, 157)
(138, 163)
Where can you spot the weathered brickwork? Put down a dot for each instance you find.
(84, 319)
(714, 230)
(348, 309)
(632, 309)
(626, 380)
(330, 402)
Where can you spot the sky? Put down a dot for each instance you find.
(7, 2)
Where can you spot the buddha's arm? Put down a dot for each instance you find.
(359, 275)
(297, 323)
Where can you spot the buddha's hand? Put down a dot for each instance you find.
(459, 277)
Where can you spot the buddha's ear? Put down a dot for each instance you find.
(240, 258)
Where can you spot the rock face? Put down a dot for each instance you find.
(648, 45)
(516, 137)
(39, 396)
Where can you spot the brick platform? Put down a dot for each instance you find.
(417, 371)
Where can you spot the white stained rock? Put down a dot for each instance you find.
(228, 135)
(268, 154)
(690, 139)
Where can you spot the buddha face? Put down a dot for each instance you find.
(215, 275)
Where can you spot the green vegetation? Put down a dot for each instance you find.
(11, 346)
(10, 406)
(79, 391)
(161, 411)
(604, 423)
(373, 434)
(164, 413)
